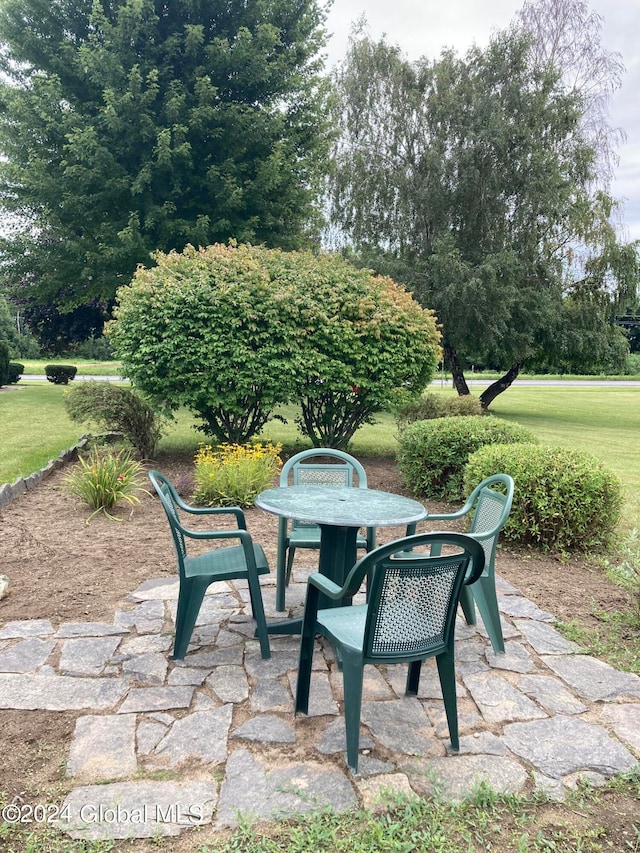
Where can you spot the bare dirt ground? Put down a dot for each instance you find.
(64, 569)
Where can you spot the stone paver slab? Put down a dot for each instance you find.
(87, 655)
(401, 725)
(88, 629)
(592, 678)
(103, 748)
(140, 809)
(516, 658)
(457, 776)
(229, 683)
(551, 694)
(23, 628)
(545, 639)
(625, 722)
(266, 729)
(515, 605)
(201, 735)
(254, 792)
(498, 700)
(60, 692)
(27, 655)
(562, 745)
(156, 699)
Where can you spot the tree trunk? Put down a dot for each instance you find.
(489, 394)
(457, 374)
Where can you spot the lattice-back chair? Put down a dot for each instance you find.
(410, 616)
(319, 466)
(486, 510)
(246, 560)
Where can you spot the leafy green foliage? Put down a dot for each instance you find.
(564, 499)
(4, 363)
(232, 331)
(103, 480)
(233, 474)
(432, 454)
(130, 127)
(428, 406)
(122, 410)
(15, 371)
(468, 180)
(625, 570)
(60, 374)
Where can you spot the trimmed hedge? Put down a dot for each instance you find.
(4, 363)
(430, 406)
(564, 499)
(432, 454)
(15, 372)
(60, 374)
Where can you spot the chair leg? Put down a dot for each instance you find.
(257, 608)
(305, 659)
(413, 677)
(352, 674)
(484, 592)
(468, 607)
(190, 596)
(447, 675)
(290, 556)
(280, 564)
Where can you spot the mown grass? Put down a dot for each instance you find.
(85, 366)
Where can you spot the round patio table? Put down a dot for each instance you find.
(339, 512)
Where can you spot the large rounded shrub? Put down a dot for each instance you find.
(432, 454)
(230, 332)
(564, 499)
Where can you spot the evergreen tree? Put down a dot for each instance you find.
(130, 126)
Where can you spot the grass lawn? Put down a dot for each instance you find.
(85, 367)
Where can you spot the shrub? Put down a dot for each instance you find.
(60, 374)
(103, 480)
(233, 474)
(4, 363)
(15, 372)
(112, 407)
(429, 406)
(564, 499)
(432, 454)
(230, 332)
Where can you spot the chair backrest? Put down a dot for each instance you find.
(413, 596)
(168, 498)
(492, 508)
(337, 472)
(303, 471)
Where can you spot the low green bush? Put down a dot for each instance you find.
(60, 374)
(564, 499)
(432, 453)
(15, 372)
(114, 408)
(4, 363)
(428, 406)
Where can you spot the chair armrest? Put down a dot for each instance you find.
(239, 533)
(213, 510)
(325, 585)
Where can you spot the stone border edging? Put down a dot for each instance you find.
(9, 491)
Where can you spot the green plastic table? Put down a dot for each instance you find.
(339, 512)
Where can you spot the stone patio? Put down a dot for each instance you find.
(541, 716)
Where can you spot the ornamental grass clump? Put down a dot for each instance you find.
(103, 480)
(234, 474)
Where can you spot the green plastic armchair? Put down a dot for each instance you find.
(487, 510)
(246, 560)
(410, 616)
(302, 470)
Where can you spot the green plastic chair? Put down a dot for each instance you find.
(300, 470)
(487, 510)
(246, 560)
(410, 616)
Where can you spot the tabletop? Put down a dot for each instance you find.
(341, 506)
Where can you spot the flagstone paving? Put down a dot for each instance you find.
(538, 717)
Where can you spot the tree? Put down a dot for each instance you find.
(567, 36)
(131, 126)
(230, 332)
(469, 181)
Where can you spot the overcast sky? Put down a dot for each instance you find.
(425, 27)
